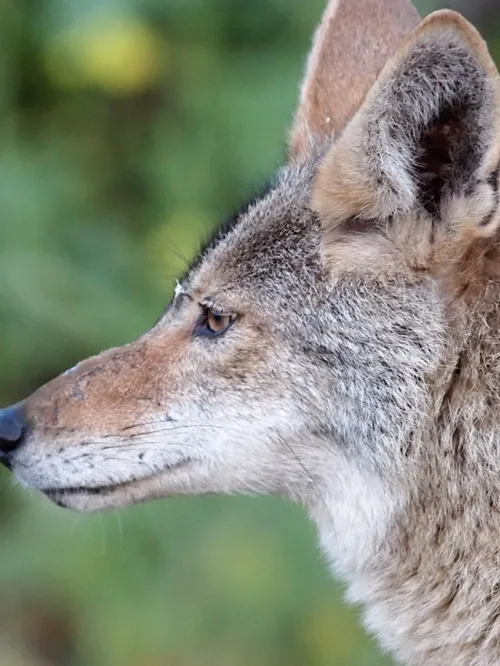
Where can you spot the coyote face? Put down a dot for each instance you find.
(216, 395)
(337, 343)
(266, 372)
(252, 380)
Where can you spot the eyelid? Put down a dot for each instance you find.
(208, 305)
(203, 328)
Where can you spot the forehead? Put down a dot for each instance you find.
(271, 244)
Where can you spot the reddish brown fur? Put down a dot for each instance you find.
(105, 393)
(352, 44)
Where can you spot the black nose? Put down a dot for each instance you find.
(12, 429)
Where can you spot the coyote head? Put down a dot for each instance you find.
(311, 347)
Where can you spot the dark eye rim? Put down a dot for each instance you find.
(202, 328)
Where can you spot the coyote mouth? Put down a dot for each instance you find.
(58, 495)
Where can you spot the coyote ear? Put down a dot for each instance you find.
(352, 43)
(427, 131)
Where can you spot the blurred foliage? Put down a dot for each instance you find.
(128, 129)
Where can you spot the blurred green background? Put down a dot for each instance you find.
(128, 130)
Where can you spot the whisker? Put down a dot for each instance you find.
(103, 535)
(120, 526)
(184, 426)
(175, 249)
(308, 474)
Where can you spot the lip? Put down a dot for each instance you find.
(58, 495)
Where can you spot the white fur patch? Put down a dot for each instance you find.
(353, 518)
(179, 289)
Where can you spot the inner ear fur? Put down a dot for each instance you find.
(428, 131)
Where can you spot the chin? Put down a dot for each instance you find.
(174, 480)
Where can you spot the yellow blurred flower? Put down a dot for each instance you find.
(117, 53)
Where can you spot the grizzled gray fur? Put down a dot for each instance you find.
(338, 343)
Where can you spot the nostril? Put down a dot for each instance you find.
(12, 428)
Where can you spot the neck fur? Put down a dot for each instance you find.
(422, 553)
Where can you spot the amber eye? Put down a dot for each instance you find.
(212, 323)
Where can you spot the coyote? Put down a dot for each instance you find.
(338, 343)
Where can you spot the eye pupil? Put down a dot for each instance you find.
(217, 322)
(213, 323)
